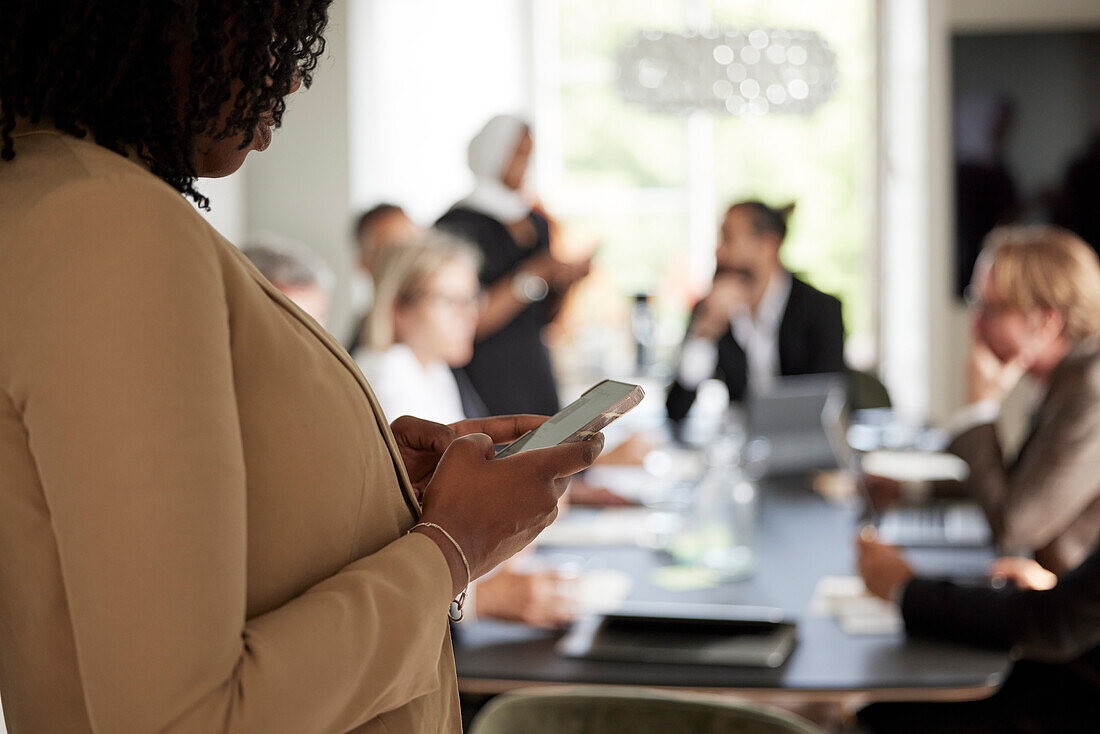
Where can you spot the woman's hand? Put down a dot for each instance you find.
(494, 507)
(421, 444)
(539, 598)
(988, 377)
(883, 567)
(1024, 572)
(560, 276)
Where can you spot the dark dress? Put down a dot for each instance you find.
(811, 342)
(1056, 687)
(510, 369)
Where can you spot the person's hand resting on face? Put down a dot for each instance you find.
(728, 294)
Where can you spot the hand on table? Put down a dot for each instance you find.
(540, 598)
(883, 567)
(1024, 572)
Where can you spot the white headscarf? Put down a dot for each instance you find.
(489, 154)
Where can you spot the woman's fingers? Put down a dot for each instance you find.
(563, 460)
(501, 428)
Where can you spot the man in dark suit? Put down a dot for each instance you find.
(758, 321)
(1053, 631)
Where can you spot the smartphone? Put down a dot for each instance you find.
(589, 414)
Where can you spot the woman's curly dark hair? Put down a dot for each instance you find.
(153, 75)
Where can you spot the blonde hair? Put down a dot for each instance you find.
(1046, 267)
(400, 275)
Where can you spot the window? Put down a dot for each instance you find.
(649, 188)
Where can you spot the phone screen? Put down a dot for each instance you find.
(587, 415)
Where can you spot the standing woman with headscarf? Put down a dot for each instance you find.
(524, 283)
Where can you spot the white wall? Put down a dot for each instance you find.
(227, 206)
(299, 186)
(425, 76)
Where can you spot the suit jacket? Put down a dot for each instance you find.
(1057, 626)
(202, 508)
(1048, 499)
(811, 341)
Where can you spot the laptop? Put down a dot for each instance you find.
(802, 418)
(935, 524)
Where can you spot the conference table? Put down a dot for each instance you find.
(800, 539)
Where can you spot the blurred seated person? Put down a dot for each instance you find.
(297, 271)
(420, 326)
(1036, 310)
(376, 229)
(758, 321)
(1051, 625)
(524, 283)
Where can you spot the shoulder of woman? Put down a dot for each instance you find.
(132, 215)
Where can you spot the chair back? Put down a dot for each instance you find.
(608, 710)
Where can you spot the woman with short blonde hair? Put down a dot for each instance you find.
(1046, 267)
(402, 275)
(1035, 303)
(419, 334)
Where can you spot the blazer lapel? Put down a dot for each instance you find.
(341, 354)
(788, 331)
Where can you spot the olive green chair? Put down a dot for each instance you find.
(607, 710)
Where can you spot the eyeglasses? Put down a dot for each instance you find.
(452, 302)
(974, 301)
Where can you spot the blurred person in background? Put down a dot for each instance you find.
(1035, 305)
(420, 329)
(1051, 624)
(377, 229)
(301, 275)
(758, 321)
(380, 227)
(420, 333)
(524, 283)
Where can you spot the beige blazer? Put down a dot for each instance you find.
(1048, 499)
(202, 508)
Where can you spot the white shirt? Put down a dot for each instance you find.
(757, 334)
(404, 386)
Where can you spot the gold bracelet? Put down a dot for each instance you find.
(461, 598)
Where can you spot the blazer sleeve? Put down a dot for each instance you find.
(124, 377)
(1032, 502)
(1056, 625)
(829, 356)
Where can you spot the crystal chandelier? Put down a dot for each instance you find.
(744, 73)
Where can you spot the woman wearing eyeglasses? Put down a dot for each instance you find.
(420, 333)
(1035, 302)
